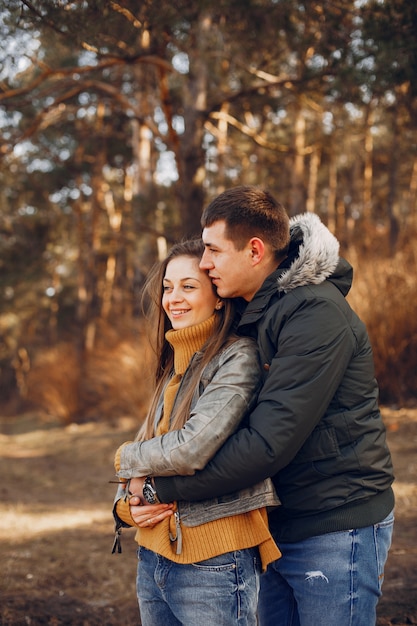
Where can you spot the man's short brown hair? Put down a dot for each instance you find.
(250, 212)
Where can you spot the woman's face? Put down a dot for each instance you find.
(188, 297)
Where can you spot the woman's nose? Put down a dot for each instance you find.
(175, 295)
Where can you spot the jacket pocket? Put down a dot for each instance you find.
(322, 444)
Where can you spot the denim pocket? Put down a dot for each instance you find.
(222, 562)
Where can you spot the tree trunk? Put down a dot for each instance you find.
(312, 182)
(192, 156)
(297, 202)
(368, 169)
(392, 189)
(331, 199)
(411, 194)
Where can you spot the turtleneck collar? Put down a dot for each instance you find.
(188, 341)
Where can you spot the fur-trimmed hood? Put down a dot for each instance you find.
(313, 255)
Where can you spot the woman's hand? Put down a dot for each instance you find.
(148, 515)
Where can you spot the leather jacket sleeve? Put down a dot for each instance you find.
(226, 399)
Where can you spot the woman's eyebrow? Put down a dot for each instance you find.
(183, 279)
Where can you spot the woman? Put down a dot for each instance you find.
(198, 562)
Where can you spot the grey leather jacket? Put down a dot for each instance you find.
(227, 392)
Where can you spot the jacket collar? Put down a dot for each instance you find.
(313, 257)
(313, 254)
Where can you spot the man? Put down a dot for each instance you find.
(316, 429)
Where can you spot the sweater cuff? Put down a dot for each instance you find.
(123, 512)
(118, 456)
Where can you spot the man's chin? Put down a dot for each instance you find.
(222, 292)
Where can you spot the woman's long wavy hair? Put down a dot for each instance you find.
(159, 324)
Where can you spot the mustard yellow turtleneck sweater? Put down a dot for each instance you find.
(199, 543)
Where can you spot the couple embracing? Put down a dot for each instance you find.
(260, 481)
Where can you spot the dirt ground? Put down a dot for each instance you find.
(56, 529)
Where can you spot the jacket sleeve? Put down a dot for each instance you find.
(312, 352)
(226, 399)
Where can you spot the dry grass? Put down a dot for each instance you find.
(384, 295)
(113, 379)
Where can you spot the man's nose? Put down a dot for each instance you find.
(205, 263)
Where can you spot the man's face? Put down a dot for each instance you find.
(230, 269)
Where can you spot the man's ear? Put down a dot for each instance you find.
(257, 248)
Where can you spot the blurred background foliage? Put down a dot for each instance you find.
(121, 120)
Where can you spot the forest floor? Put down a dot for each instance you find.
(56, 529)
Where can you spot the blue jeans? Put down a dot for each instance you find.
(221, 591)
(329, 579)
